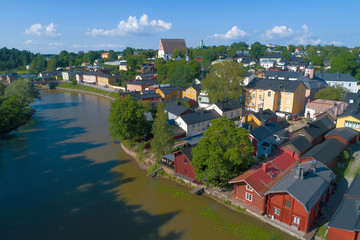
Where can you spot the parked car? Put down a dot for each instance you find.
(295, 118)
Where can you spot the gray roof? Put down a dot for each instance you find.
(350, 96)
(167, 90)
(228, 105)
(345, 133)
(170, 157)
(319, 127)
(309, 189)
(301, 143)
(265, 131)
(175, 108)
(314, 83)
(347, 216)
(200, 116)
(284, 74)
(187, 150)
(193, 139)
(274, 84)
(169, 45)
(267, 114)
(353, 109)
(335, 77)
(143, 82)
(327, 151)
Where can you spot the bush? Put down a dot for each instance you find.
(74, 82)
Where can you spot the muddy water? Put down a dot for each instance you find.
(62, 177)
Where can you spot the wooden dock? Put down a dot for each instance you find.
(197, 189)
(153, 172)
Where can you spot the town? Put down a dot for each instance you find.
(272, 129)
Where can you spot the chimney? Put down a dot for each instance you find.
(299, 172)
(263, 167)
(313, 166)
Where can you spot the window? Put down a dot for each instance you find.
(288, 101)
(296, 220)
(193, 91)
(253, 95)
(248, 196)
(248, 187)
(276, 211)
(252, 104)
(301, 134)
(187, 91)
(198, 124)
(248, 95)
(269, 94)
(194, 99)
(231, 114)
(287, 203)
(351, 124)
(349, 84)
(287, 110)
(260, 97)
(185, 160)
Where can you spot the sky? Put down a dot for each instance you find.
(51, 26)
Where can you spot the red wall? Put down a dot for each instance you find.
(257, 201)
(335, 234)
(183, 168)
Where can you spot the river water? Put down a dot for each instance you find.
(62, 177)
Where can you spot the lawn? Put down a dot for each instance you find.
(322, 231)
(88, 89)
(23, 71)
(345, 164)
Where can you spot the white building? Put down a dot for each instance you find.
(167, 47)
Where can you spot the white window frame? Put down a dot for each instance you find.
(248, 187)
(296, 220)
(288, 100)
(277, 211)
(248, 196)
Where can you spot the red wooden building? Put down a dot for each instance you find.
(183, 167)
(346, 135)
(252, 185)
(296, 199)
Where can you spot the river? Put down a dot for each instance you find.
(62, 177)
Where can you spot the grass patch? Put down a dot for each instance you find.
(345, 162)
(88, 89)
(322, 231)
(18, 71)
(153, 167)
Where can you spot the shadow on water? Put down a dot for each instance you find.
(57, 105)
(44, 196)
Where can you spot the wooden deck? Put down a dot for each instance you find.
(197, 189)
(153, 172)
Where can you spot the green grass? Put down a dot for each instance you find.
(18, 71)
(88, 89)
(322, 231)
(346, 162)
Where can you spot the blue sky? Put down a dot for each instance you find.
(52, 26)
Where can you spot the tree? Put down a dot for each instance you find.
(52, 65)
(22, 90)
(38, 63)
(162, 141)
(356, 52)
(2, 89)
(257, 50)
(127, 119)
(223, 153)
(331, 93)
(317, 61)
(224, 81)
(291, 48)
(344, 63)
(286, 54)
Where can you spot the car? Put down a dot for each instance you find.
(295, 118)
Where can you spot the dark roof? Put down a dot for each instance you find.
(265, 131)
(169, 45)
(93, 73)
(327, 151)
(314, 83)
(167, 90)
(266, 115)
(335, 77)
(197, 87)
(170, 157)
(353, 109)
(143, 82)
(273, 56)
(283, 74)
(347, 216)
(350, 96)
(175, 108)
(187, 150)
(193, 139)
(345, 133)
(200, 116)
(319, 127)
(309, 189)
(228, 105)
(301, 143)
(274, 84)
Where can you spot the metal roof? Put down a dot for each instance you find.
(335, 77)
(274, 84)
(200, 116)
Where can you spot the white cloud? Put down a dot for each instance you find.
(279, 32)
(56, 44)
(143, 26)
(99, 46)
(233, 33)
(42, 30)
(307, 37)
(335, 43)
(28, 42)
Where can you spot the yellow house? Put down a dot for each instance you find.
(192, 92)
(255, 120)
(170, 93)
(106, 80)
(105, 55)
(349, 119)
(277, 95)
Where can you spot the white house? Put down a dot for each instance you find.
(203, 99)
(229, 109)
(344, 80)
(167, 47)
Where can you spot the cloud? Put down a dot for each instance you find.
(335, 43)
(98, 46)
(307, 37)
(56, 44)
(133, 26)
(28, 42)
(233, 33)
(279, 32)
(42, 30)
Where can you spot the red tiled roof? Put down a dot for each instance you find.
(276, 168)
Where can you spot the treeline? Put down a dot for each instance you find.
(14, 58)
(14, 104)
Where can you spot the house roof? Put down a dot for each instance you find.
(175, 108)
(353, 109)
(335, 77)
(276, 168)
(301, 143)
(273, 55)
(193, 139)
(309, 189)
(228, 105)
(266, 115)
(345, 133)
(274, 84)
(347, 216)
(314, 83)
(200, 116)
(167, 90)
(321, 105)
(143, 82)
(170, 157)
(327, 151)
(319, 127)
(187, 150)
(350, 96)
(265, 131)
(283, 74)
(169, 45)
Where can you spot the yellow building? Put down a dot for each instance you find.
(170, 93)
(192, 92)
(349, 119)
(106, 80)
(277, 95)
(105, 55)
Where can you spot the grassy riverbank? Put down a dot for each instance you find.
(88, 89)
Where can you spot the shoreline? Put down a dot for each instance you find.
(26, 120)
(211, 193)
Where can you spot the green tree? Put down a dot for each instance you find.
(52, 65)
(223, 153)
(331, 93)
(257, 50)
(224, 81)
(162, 141)
(127, 119)
(344, 63)
(22, 90)
(291, 48)
(2, 89)
(356, 52)
(317, 61)
(38, 63)
(286, 54)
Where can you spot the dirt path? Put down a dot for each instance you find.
(354, 165)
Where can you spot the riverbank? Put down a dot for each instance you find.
(12, 124)
(87, 89)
